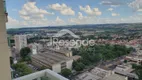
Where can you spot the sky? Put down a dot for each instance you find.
(39, 13)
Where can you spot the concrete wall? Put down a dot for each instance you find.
(56, 68)
(71, 54)
(53, 76)
(34, 51)
(4, 51)
(44, 73)
(69, 64)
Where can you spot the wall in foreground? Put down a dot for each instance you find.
(4, 52)
(51, 75)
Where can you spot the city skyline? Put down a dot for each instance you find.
(34, 13)
(71, 39)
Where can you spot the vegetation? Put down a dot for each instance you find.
(78, 65)
(25, 54)
(21, 69)
(125, 61)
(43, 67)
(66, 72)
(91, 55)
(138, 70)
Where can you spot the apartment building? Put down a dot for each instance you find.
(53, 59)
(20, 41)
(4, 51)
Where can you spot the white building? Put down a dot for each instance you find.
(20, 41)
(53, 59)
(35, 47)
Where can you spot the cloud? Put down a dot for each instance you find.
(131, 19)
(33, 16)
(89, 11)
(80, 19)
(63, 8)
(110, 9)
(31, 11)
(115, 14)
(140, 10)
(15, 23)
(112, 3)
(59, 21)
(136, 5)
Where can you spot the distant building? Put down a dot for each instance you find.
(116, 77)
(126, 70)
(35, 47)
(95, 74)
(135, 58)
(53, 59)
(20, 41)
(63, 51)
(124, 67)
(100, 74)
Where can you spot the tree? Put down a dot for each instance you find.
(25, 54)
(139, 73)
(43, 67)
(138, 70)
(79, 66)
(125, 61)
(66, 72)
(75, 51)
(92, 55)
(21, 69)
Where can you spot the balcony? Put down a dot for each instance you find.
(43, 75)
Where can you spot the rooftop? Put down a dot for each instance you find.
(125, 70)
(115, 77)
(123, 73)
(50, 57)
(94, 74)
(62, 50)
(124, 67)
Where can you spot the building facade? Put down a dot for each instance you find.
(20, 41)
(4, 51)
(55, 60)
